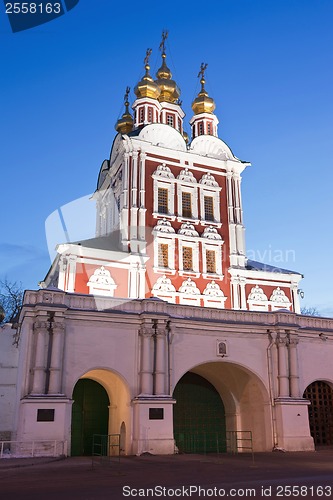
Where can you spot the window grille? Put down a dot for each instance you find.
(186, 205)
(150, 115)
(170, 120)
(163, 255)
(141, 115)
(187, 259)
(201, 128)
(163, 201)
(209, 208)
(210, 261)
(209, 128)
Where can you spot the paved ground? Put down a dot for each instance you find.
(273, 475)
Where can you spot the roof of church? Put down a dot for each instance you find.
(108, 242)
(254, 265)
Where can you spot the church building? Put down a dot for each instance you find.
(159, 329)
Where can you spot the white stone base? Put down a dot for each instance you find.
(150, 435)
(292, 421)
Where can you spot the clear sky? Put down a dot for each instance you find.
(270, 71)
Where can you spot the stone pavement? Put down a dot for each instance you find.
(273, 475)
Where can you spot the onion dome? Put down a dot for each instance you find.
(170, 91)
(125, 124)
(203, 103)
(147, 87)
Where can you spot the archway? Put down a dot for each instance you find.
(90, 415)
(199, 416)
(320, 395)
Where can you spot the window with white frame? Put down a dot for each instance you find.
(201, 128)
(188, 253)
(186, 205)
(209, 128)
(209, 208)
(163, 255)
(141, 115)
(211, 261)
(163, 200)
(187, 258)
(170, 119)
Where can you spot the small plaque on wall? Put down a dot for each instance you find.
(156, 413)
(45, 415)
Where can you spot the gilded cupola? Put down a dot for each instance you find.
(147, 87)
(125, 124)
(170, 92)
(203, 103)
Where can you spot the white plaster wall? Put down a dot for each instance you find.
(8, 375)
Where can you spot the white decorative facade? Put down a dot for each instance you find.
(161, 321)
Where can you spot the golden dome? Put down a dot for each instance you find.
(147, 87)
(203, 103)
(170, 92)
(125, 124)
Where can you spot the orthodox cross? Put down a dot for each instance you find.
(148, 54)
(126, 94)
(164, 37)
(203, 68)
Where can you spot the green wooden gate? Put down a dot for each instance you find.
(199, 416)
(90, 415)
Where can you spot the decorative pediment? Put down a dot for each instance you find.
(101, 282)
(164, 171)
(163, 284)
(257, 294)
(164, 226)
(186, 176)
(208, 180)
(187, 229)
(189, 287)
(279, 296)
(211, 233)
(213, 290)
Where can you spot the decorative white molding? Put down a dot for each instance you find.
(164, 226)
(257, 295)
(163, 171)
(163, 135)
(101, 282)
(278, 296)
(213, 290)
(208, 180)
(186, 176)
(211, 233)
(189, 287)
(163, 284)
(187, 229)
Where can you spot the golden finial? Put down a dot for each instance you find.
(203, 103)
(125, 124)
(147, 87)
(165, 34)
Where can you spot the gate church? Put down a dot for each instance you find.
(160, 329)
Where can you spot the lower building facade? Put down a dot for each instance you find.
(170, 378)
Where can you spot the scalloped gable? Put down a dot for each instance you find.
(162, 135)
(208, 145)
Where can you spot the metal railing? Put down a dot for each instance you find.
(105, 449)
(207, 442)
(24, 449)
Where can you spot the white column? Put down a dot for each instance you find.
(142, 209)
(283, 375)
(146, 372)
(235, 292)
(39, 369)
(71, 269)
(230, 198)
(243, 304)
(159, 375)
(293, 366)
(58, 329)
(62, 272)
(295, 298)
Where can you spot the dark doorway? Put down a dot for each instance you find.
(320, 396)
(199, 416)
(90, 415)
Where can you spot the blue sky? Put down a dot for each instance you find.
(270, 70)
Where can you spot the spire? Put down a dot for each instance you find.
(203, 103)
(125, 123)
(169, 89)
(147, 87)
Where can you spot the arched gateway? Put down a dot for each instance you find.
(320, 395)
